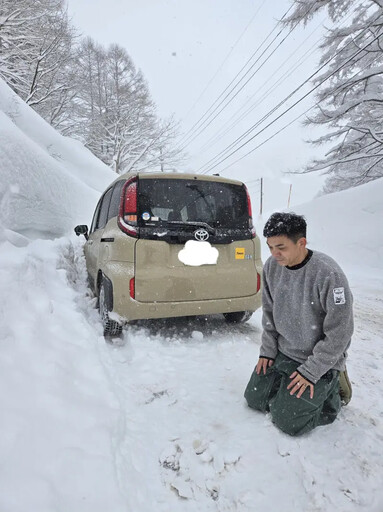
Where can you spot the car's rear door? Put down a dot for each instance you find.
(175, 211)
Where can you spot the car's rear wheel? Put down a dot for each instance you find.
(111, 327)
(238, 317)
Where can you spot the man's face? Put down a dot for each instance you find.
(287, 252)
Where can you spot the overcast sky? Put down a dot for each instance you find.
(189, 51)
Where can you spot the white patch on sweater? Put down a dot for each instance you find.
(339, 296)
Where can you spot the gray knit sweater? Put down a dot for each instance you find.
(307, 315)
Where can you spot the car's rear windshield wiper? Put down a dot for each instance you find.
(196, 224)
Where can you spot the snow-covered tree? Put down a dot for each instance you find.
(116, 117)
(131, 115)
(36, 42)
(136, 138)
(51, 89)
(81, 88)
(89, 105)
(350, 100)
(16, 48)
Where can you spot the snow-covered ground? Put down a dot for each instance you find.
(157, 420)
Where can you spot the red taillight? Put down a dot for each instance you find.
(258, 282)
(130, 199)
(132, 288)
(127, 218)
(250, 213)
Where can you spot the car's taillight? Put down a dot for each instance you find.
(258, 282)
(249, 211)
(127, 218)
(132, 288)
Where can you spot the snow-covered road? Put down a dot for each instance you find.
(157, 420)
(189, 433)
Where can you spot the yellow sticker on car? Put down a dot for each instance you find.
(240, 253)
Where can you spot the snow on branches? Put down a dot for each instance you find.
(82, 89)
(114, 115)
(350, 98)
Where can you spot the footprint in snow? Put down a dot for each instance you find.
(196, 468)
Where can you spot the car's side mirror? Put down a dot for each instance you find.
(82, 230)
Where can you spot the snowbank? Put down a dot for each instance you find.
(348, 225)
(48, 183)
(345, 225)
(58, 412)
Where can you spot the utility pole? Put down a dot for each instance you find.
(261, 198)
(161, 160)
(288, 202)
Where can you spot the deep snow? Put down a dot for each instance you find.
(157, 420)
(47, 182)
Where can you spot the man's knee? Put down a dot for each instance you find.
(294, 416)
(259, 389)
(290, 423)
(255, 395)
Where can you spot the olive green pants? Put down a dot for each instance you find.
(293, 415)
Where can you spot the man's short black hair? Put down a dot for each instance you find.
(289, 224)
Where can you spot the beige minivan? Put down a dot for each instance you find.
(170, 244)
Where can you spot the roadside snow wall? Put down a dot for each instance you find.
(48, 183)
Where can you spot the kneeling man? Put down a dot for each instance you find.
(307, 328)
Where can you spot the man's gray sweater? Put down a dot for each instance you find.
(307, 315)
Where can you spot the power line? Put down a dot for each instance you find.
(277, 133)
(202, 128)
(225, 129)
(294, 120)
(208, 122)
(195, 127)
(252, 128)
(224, 60)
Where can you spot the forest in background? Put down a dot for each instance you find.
(98, 96)
(84, 90)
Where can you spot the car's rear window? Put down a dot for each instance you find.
(221, 205)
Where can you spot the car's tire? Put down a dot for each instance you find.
(111, 327)
(238, 317)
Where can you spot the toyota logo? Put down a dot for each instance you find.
(201, 235)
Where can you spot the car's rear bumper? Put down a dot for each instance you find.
(134, 310)
(130, 309)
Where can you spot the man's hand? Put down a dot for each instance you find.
(263, 364)
(298, 385)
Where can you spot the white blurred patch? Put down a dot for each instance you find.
(15, 238)
(198, 253)
(197, 335)
(15, 189)
(339, 296)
